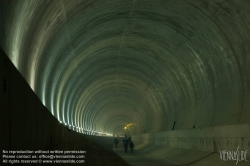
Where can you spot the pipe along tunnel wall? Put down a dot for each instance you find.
(26, 124)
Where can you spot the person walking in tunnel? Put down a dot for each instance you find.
(129, 139)
(131, 145)
(116, 141)
(125, 143)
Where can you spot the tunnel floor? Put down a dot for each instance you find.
(145, 155)
(138, 158)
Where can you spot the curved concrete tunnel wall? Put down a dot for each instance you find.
(26, 124)
(101, 65)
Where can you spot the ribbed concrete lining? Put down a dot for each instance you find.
(103, 64)
(26, 125)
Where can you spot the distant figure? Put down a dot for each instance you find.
(129, 139)
(116, 141)
(131, 145)
(125, 143)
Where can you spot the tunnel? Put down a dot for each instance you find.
(172, 74)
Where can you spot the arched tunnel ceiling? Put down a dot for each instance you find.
(102, 64)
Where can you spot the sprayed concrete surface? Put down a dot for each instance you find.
(145, 155)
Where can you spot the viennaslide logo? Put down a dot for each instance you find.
(233, 155)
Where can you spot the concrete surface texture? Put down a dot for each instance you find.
(25, 124)
(152, 155)
(103, 64)
(212, 139)
(151, 66)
